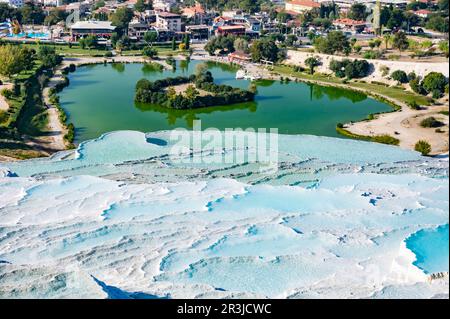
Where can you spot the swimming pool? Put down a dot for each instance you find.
(33, 35)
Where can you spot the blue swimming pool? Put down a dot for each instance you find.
(33, 35)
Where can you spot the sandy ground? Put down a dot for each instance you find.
(405, 125)
(182, 88)
(420, 68)
(3, 105)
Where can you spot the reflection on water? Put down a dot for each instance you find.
(119, 67)
(148, 69)
(100, 99)
(189, 116)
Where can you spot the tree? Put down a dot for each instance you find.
(423, 147)
(434, 82)
(32, 14)
(312, 62)
(150, 37)
(149, 52)
(122, 17)
(241, 44)
(13, 60)
(336, 41)
(201, 69)
(191, 93)
(140, 6)
(387, 39)
(443, 6)
(48, 56)
(222, 43)
(56, 15)
(416, 86)
(400, 41)
(174, 44)
(171, 93)
(443, 46)
(438, 23)
(399, 76)
(90, 41)
(264, 49)
(358, 11)
(291, 39)
(187, 41)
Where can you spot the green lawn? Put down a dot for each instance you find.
(76, 50)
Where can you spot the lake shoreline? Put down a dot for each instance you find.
(58, 131)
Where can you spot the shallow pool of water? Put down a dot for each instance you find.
(100, 99)
(431, 247)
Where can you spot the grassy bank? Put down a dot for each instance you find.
(383, 93)
(383, 139)
(26, 116)
(76, 50)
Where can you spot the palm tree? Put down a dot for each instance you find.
(387, 39)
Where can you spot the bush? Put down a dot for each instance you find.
(431, 122)
(350, 69)
(423, 147)
(413, 105)
(399, 76)
(416, 86)
(108, 54)
(412, 76)
(434, 81)
(385, 139)
(384, 70)
(372, 55)
(7, 93)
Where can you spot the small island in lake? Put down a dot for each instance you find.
(195, 91)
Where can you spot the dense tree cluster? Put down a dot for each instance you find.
(434, 82)
(220, 43)
(350, 69)
(335, 41)
(162, 93)
(265, 49)
(14, 59)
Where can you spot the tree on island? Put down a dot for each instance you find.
(191, 93)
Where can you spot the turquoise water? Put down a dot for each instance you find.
(100, 98)
(29, 35)
(431, 247)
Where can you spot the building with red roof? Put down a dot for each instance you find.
(300, 6)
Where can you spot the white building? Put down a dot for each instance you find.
(164, 5)
(168, 21)
(13, 3)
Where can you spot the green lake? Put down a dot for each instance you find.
(99, 99)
